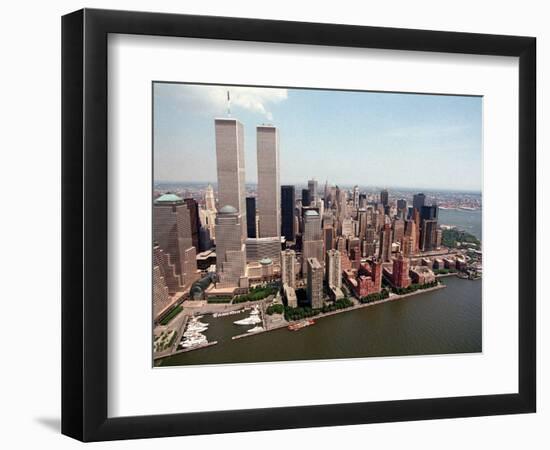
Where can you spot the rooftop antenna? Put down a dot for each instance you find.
(228, 104)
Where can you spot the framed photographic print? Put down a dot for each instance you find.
(273, 224)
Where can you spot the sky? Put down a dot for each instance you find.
(345, 137)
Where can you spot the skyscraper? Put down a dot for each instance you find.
(288, 268)
(251, 215)
(306, 199)
(312, 243)
(314, 283)
(384, 197)
(209, 200)
(230, 248)
(195, 222)
(385, 243)
(418, 201)
(356, 196)
(172, 233)
(313, 192)
(230, 167)
(288, 204)
(333, 268)
(269, 203)
(400, 272)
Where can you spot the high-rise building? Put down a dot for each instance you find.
(384, 197)
(251, 215)
(362, 200)
(313, 192)
(312, 226)
(418, 201)
(194, 220)
(288, 205)
(411, 236)
(328, 237)
(429, 212)
(205, 242)
(355, 197)
(167, 270)
(400, 272)
(261, 248)
(398, 230)
(314, 283)
(269, 201)
(230, 248)
(333, 268)
(288, 268)
(306, 198)
(209, 199)
(172, 233)
(428, 235)
(384, 252)
(230, 167)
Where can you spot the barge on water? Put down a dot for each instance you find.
(299, 325)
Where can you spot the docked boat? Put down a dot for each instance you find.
(299, 325)
(250, 320)
(256, 329)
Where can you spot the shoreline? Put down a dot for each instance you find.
(391, 298)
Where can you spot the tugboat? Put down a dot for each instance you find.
(299, 325)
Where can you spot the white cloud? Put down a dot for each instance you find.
(212, 100)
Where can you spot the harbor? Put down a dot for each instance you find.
(425, 322)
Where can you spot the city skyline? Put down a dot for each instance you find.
(442, 135)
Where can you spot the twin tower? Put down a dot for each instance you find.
(231, 229)
(231, 174)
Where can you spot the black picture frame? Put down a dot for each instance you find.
(84, 224)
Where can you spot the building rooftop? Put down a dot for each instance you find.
(311, 212)
(168, 198)
(228, 209)
(266, 261)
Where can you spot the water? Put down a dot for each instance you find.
(466, 220)
(439, 322)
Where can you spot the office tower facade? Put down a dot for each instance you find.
(384, 252)
(312, 226)
(269, 190)
(428, 235)
(230, 248)
(209, 199)
(194, 220)
(400, 272)
(230, 167)
(333, 268)
(313, 192)
(384, 197)
(411, 236)
(205, 242)
(288, 205)
(418, 201)
(429, 212)
(261, 248)
(355, 197)
(288, 268)
(161, 298)
(167, 270)
(251, 215)
(438, 238)
(362, 200)
(172, 233)
(328, 237)
(398, 230)
(314, 283)
(306, 199)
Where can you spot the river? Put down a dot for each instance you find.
(438, 322)
(466, 220)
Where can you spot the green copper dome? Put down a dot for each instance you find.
(168, 198)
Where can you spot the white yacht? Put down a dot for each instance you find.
(250, 320)
(256, 329)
